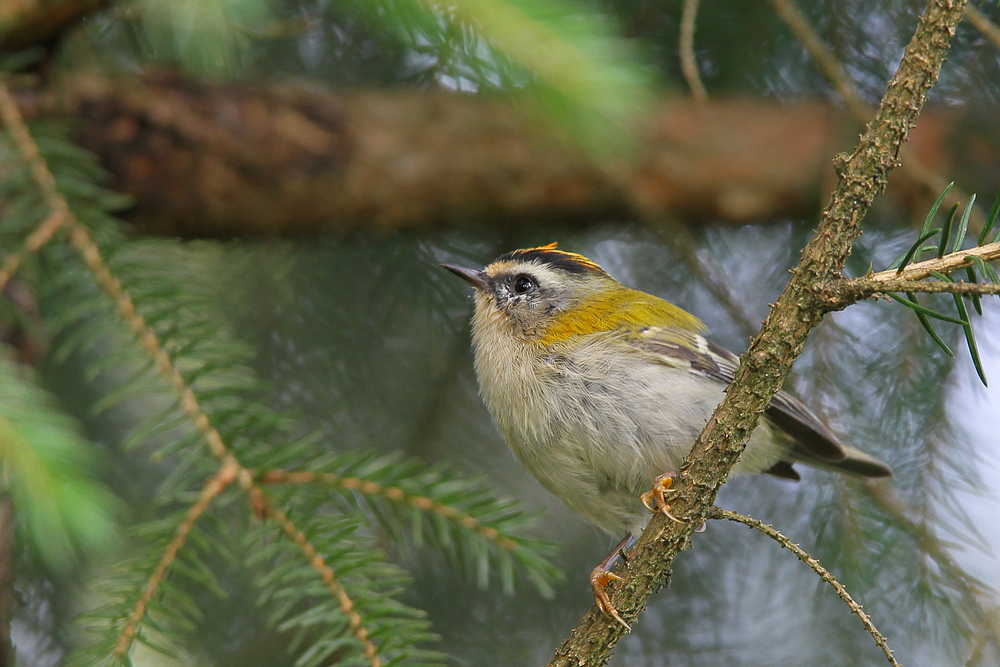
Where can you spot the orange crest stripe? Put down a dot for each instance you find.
(559, 259)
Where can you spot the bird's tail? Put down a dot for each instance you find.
(855, 462)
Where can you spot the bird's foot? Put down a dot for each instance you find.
(599, 580)
(661, 489)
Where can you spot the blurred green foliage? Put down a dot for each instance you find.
(63, 512)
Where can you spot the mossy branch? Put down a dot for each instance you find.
(863, 288)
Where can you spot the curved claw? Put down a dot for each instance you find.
(602, 576)
(661, 488)
(599, 580)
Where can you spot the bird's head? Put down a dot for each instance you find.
(545, 295)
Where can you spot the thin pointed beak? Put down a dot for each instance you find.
(475, 278)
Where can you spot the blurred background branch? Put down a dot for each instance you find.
(689, 62)
(338, 156)
(25, 23)
(208, 161)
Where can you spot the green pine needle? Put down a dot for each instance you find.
(966, 322)
(932, 213)
(908, 256)
(929, 328)
(963, 224)
(976, 299)
(970, 338)
(916, 307)
(990, 221)
(946, 231)
(985, 269)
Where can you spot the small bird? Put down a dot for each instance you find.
(601, 390)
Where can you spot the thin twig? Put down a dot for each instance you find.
(393, 493)
(261, 504)
(110, 285)
(59, 211)
(979, 21)
(839, 293)
(926, 287)
(213, 487)
(689, 64)
(843, 292)
(42, 235)
(950, 262)
(80, 238)
(824, 574)
(15, 124)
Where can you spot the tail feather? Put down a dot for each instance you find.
(855, 462)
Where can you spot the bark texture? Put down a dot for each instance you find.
(219, 162)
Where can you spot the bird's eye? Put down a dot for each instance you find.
(523, 284)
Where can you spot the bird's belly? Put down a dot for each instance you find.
(596, 434)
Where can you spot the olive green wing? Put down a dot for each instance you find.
(814, 442)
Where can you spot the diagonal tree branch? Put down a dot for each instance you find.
(827, 62)
(765, 365)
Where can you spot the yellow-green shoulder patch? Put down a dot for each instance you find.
(620, 309)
